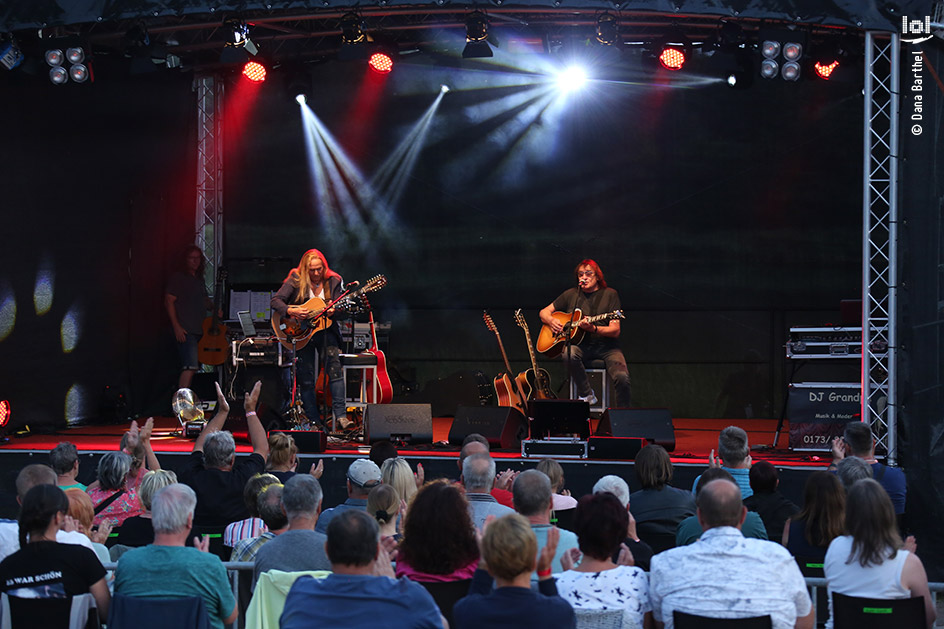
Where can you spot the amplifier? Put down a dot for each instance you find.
(560, 448)
(258, 351)
(820, 343)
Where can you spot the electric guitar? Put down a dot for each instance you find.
(537, 382)
(384, 386)
(213, 347)
(552, 345)
(506, 388)
(301, 329)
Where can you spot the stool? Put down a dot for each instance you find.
(599, 382)
(364, 364)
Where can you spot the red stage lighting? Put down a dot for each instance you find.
(254, 71)
(823, 71)
(380, 62)
(4, 413)
(672, 58)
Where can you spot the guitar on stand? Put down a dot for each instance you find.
(536, 381)
(213, 347)
(505, 387)
(384, 386)
(552, 345)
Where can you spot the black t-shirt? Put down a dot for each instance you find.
(219, 493)
(136, 531)
(50, 570)
(590, 304)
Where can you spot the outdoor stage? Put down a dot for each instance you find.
(695, 438)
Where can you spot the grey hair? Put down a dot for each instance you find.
(113, 470)
(732, 445)
(62, 458)
(612, 484)
(171, 506)
(152, 482)
(478, 471)
(301, 496)
(218, 448)
(531, 492)
(852, 468)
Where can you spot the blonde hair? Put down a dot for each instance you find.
(509, 546)
(81, 508)
(397, 473)
(383, 503)
(554, 472)
(153, 481)
(299, 276)
(282, 451)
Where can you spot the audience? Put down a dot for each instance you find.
(689, 529)
(772, 506)
(114, 501)
(598, 582)
(640, 550)
(362, 591)
(735, 458)
(380, 451)
(851, 469)
(658, 508)
(475, 443)
(478, 475)
(136, 443)
(169, 568)
(64, 460)
(857, 440)
(870, 560)
(273, 516)
(362, 476)
(283, 456)
(809, 533)
(300, 547)
(29, 477)
(82, 511)
(139, 530)
(384, 504)
(726, 575)
(212, 470)
(510, 555)
(532, 497)
(253, 526)
(438, 536)
(397, 473)
(45, 568)
(562, 498)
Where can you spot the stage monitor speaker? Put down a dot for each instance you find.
(503, 426)
(307, 441)
(620, 448)
(559, 418)
(652, 424)
(401, 423)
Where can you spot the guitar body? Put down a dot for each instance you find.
(538, 386)
(384, 385)
(506, 390)
(213, 347)
(301, 330)
(552, 345)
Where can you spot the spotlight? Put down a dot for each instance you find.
(790, 71)
(781, 51)
(54, 57)
(607, 29)
(476, 37)
(444, 88)
(10, 55)
(792, 51)
(824, 71)
(58, 75)
(770, 49)
(75, 54)
(769, 69)
(672, 58)
(254, 71)
(237, 41)
(380, 62)
(571, 79)
(6, 413)
(79, 73)
(352, 31)
(301, 99)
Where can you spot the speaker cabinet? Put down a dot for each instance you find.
(503, 426)
(652, 424)
(401, 423)
(307, 441)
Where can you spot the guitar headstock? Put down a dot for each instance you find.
(489, 323)
(375, 283)
(520, 320)
(618, 314)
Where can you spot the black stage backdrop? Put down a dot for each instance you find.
(722, 216)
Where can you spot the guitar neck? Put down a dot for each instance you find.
(601, 317)
(504, 356)
(534, 358)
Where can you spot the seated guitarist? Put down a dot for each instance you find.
(601, 341)
(313, 278)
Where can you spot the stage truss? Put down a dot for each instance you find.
(209, 210)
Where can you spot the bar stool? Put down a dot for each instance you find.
(365, 365)
(599, 382)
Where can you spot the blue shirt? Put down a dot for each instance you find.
(742, 476)
(325, 518)
(511, 607)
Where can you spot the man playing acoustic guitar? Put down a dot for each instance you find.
(599, 340)
(313, 278)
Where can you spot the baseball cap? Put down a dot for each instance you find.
(364, 473)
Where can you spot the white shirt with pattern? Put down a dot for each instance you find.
(725, 575)
(623, 587)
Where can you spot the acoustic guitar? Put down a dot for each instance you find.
(536, 381)
(505, 387)
(552, 345)
(213, 347)
(384, 385)
(301, 329)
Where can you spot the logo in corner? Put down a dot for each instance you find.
(920, 28)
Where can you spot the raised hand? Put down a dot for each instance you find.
(252, 397)
(202, 543)
(625, 557)
(222, 406)
(317, 470)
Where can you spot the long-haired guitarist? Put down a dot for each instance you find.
(600, 340)
(314, 278)
(186, 303)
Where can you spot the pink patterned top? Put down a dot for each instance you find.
(125, 506)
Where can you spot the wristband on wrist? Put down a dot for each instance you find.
(251, 413)
(544, 573)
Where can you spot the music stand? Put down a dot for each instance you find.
(559, 418)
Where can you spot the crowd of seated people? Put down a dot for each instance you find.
(378, 552)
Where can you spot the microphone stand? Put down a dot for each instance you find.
(322, 358)
(569, 335)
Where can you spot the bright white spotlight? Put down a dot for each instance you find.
(571, 79)
(301, 99)
(444, 88)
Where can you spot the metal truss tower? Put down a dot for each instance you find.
(209, 210)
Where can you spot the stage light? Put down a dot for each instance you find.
(58, 75)
(10, 55)
(607, 29)
(824, 71)
(770, 49)
(444, 88)
(54, 57)
(352, 31)
(5, 413)
(380, 62)
(75, 54)
(476, 37)
(301, 99)
(792, 51)
(790, 71)
(672, 58)
(79, 73)
(769, 69)
(254, 71)
(237, 32)
(782, 50)
(571, 79)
